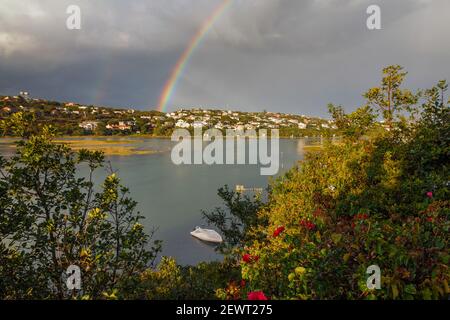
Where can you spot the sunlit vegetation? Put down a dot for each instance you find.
(378, 197)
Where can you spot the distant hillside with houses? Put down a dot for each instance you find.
(72, 118)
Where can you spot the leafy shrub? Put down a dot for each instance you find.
(51, 218)
(174, 282)
(379, 199)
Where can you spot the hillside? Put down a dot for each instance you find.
(76, 119)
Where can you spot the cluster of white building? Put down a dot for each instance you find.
(234, 120)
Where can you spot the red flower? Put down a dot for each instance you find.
(277, 231)
(308, 224)
(430, 194)
(243, 283)
(257, 295)
(430, 219)
(361, 216)
(248, 258)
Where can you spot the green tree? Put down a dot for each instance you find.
(389, 98)
(355, 124)
(51, 218)
(15, 124)
(442, 86)
(101, 130)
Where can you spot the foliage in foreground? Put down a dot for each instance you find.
(378, 198)
(51, 218)
(174, 282)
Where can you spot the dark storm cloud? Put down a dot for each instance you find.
(281, 55)
(124, 80)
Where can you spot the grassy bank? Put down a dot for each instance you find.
(108, 147)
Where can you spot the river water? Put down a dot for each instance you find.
(171, 197)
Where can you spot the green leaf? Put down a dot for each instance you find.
(336, 237)
(411, 289)
(394, 291)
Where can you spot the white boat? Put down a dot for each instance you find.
(206, 235)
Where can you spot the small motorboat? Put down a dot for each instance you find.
(206, 235)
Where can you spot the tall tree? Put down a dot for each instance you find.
(443, 86)
(389, 98)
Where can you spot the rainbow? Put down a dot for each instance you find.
(180, 66)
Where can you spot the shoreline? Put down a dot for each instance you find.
(93, 137)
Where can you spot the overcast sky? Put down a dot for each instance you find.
(279, 55)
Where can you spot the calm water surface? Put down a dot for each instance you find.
(171, 197)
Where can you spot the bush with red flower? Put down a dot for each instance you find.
(380, 211)
(326, 256)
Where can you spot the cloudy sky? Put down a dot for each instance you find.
(279, 55)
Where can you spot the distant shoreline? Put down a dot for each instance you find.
(149, 136)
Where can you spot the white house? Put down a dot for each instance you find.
(89, 125)
(182, 124)
(199, 124)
